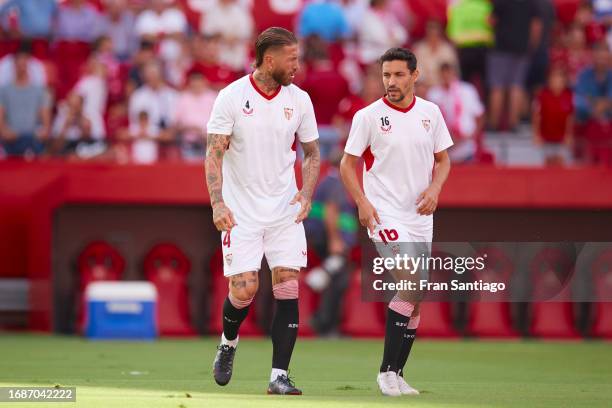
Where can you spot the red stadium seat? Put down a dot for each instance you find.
(550, 272)
(602, 282)
(361, 319)
(167, 267)
(436, 320)
(218, 294)
(99, 261)
(492, 318)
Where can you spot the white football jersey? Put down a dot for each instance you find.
(258, 167)
(398, 147)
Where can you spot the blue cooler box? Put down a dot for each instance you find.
(121, 310)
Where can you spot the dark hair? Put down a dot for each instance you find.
(24, 48)
(447, 66)
(400, 54)
(272, 37)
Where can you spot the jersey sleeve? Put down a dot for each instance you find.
(307, 131)
(359, 136)
(442, 138)
(221, 120)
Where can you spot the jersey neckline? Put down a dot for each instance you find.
(397, 108)
(262, 93)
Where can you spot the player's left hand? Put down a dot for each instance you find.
(305, 206)
(428, 200)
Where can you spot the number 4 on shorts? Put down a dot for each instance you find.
(227, 240)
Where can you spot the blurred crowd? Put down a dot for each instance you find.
(135, 80)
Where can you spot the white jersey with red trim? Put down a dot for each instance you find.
(258, 167)
(398, 147)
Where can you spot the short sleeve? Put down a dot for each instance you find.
(442, 138)
(359, 136)
(221, 120)
(307, 131)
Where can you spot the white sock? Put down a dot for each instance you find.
(276, 372)
(232, 343)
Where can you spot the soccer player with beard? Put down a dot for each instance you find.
(403, 140)
(256, 205)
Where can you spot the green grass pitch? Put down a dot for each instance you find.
(332, 373)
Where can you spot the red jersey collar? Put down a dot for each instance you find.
(397, 108)
(262, 93)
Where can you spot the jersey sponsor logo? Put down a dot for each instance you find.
(288, 113)
(247, 110)
(385, 125)
(292, 325)
(228, 259)
(426, 124)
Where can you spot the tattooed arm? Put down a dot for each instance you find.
(310, 174)
(215, 150)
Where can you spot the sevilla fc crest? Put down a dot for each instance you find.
(426, 124)
(288, 113)
(228, 259)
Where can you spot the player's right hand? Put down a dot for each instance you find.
(223, 217)
(368, 216)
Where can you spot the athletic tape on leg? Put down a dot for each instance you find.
(286, 290)
(237, 303)
(400, 306)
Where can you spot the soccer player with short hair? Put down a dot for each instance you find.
(403, 140)
(256, 204)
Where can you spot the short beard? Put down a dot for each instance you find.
(399, 98)
(282, 78)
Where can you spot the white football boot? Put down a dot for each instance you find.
(404, 387)
(387, 382)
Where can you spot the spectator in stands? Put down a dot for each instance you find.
(166, 23)
(332, 231)
(553, 118)
(35, 16)
(539, 58)
(323, 18)
(144, 56)
(118, 24)
(25, 115)
(371, 89)
(574, 55)
(462, 110)
(205, 54)
(469, 28)
(93, 88)
(432, 52)
(115, 75)
(36, 70)
(326, 88)
(593, 99)
(379, 30)
(144, 136)
(594, 30)
(77, 20)
(77, 132)
(156, 99)
(518, 30)
(594, 88)
(192, 112)
(234, 25)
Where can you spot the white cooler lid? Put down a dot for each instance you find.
(124, 290)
